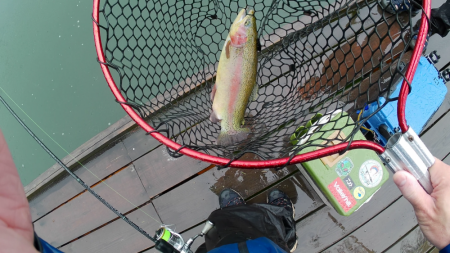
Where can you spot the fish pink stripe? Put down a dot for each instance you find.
(235, 86)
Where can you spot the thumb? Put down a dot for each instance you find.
(412, 190)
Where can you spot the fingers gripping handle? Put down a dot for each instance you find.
(407, 152)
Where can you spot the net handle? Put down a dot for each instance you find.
(268, 163)
(418, 49)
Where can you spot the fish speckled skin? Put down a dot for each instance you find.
(235, 79)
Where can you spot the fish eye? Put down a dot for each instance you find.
(247, 22)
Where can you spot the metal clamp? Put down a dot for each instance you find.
(445, 74)
(433, 57)
(407, 152)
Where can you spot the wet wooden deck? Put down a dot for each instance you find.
(142, 181)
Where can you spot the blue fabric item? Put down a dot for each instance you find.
(47, 248)
(259, 245)
(445, 250)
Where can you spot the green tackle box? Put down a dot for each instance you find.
(348, 180)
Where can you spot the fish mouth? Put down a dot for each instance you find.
(249, 11)
(244, 13)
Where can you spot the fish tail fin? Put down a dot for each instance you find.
(232, 137)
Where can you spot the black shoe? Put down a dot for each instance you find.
(279, 198)
(229, 197)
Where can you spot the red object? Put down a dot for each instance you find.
(342, 194)
(418, 49)
(268, 163)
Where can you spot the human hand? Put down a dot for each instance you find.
(16, 231)
(432, 211)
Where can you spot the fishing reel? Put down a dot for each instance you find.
(168, 241)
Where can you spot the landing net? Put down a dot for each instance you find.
(316, 59)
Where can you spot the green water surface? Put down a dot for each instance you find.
(48, 66)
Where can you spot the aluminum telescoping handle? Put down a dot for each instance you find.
(407, 152)
(187, 247)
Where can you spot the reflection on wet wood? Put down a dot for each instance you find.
(414, 241)
(84, 213)
(198, 197)
(355, 58)
(247, 181)
(379, 233)
(374, 86)
(323, 228)
(118, 236)
(104, 163)
(303, 196)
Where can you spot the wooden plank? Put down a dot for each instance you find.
(443, 109)
(85, 213)
(105, 162)
(436, 42)
(370, 89)
(331, 24)
(414, 241)
(447, 159)
(97, 142)
(138, 143)
(355, 58)
(437, 139)
(378, 233)
(305, 199)
(441, 46)
(303, 196)
(159, 171)
(325, 227)
(118, 236)
(198, 197)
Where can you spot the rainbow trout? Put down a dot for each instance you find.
(235, 79)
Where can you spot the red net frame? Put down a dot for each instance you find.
(274, 162)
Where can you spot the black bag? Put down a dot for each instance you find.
(240, 223)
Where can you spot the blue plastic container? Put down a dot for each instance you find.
(427, 94)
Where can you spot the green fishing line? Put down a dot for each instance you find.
(76, 159)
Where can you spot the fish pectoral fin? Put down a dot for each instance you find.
(213, 92)
(254, 95)
(213, 117)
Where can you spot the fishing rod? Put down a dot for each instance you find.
(166, 240)
(79, 180)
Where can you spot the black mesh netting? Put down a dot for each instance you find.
(314, 58)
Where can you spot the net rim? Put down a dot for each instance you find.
(266, 163)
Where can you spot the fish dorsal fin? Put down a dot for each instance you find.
(254, 95)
